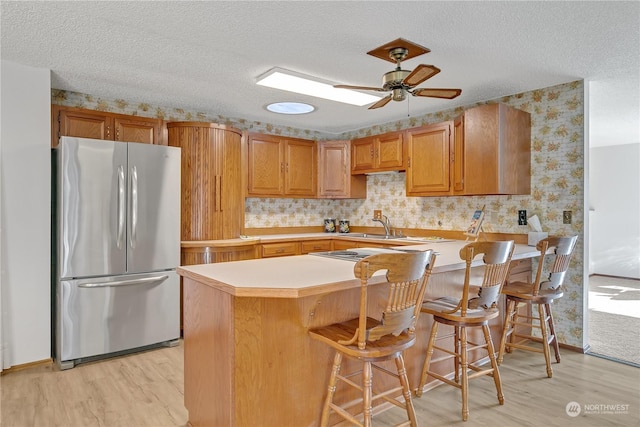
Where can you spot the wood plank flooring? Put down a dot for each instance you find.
(146, 389)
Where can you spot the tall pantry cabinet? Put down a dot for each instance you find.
(212, 196)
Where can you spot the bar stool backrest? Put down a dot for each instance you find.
(407, 274)
(562, 251)
(496, 258)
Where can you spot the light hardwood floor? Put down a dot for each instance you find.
(146, 389)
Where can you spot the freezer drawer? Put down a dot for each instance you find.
(117, 313)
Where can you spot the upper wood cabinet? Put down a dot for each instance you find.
(211, 183)
(428, 160)
(378, 153)
(334, 172)
(492, 151)
(83, 123)
(280, 166)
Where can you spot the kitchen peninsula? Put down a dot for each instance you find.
(248, 358)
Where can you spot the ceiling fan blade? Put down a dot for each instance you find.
(384, 101)
(437, 93)
(377, 89)
(421, 73)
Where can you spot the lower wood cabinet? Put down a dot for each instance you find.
(309, 246)
(268, 250)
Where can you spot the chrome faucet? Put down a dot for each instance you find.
(385, 224)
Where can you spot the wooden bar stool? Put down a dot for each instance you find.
(378, 339)
(468, 312)
(540, 293)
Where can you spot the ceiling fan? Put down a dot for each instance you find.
(402, 82)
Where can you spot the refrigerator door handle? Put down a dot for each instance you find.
(121, 207)
(143, 281)
(134, 206)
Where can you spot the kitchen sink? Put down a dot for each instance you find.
(374, 236)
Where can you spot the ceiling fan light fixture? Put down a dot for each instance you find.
(290, 81)
(399, 94)
(291, 108)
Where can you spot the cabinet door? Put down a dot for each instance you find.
(334, 172)
(497, 150)
(300, 171)
(230, 201)
(362, 154)
(138, 129)
(457, 175)
(428, 171)
(266, 165)
(85, 124)
(389, 151)
(212, 197)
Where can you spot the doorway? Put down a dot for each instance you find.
(614, 253)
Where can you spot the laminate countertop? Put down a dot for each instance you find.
(304, 275)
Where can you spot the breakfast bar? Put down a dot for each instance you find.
(248, 359)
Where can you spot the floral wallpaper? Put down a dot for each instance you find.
(557, 182)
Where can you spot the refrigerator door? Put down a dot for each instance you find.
(153, 230)
(91, 203)
(116, 313)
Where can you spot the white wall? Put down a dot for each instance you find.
(25, 203)
(614, 199)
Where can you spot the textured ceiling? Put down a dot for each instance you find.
(205, 56)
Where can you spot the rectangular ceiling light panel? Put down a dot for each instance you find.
(279, 78)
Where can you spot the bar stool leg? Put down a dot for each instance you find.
(545, 339)
(456, 349)
(367, 380)
(427, 361)
(406, 391)
(552, 331)
(494, 363)
(337, 361)
(465, 375)
(508, 325)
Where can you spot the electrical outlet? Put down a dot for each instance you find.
(377, 214)
(522, 217)
(566, 217)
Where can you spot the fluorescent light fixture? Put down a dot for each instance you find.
(279, 78)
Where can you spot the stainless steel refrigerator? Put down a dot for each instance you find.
(117, 247)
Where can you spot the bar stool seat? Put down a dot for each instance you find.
(384, 337)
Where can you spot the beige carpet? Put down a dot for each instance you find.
(614, 318)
